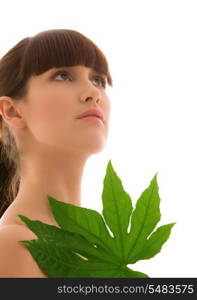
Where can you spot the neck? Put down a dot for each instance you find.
(49, 175)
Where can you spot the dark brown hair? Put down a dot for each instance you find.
(35, 55)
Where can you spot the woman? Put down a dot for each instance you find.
(48, 83)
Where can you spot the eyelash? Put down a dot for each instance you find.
(103, 81)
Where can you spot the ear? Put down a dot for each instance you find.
(10, 113)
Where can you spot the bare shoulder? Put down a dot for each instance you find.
(15, 258)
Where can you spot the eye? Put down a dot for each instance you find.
(66, 75)
(101, 79)
(61, 72)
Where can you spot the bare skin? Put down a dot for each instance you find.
(15, 259)
(53, 145)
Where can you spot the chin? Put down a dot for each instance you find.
(95, 146)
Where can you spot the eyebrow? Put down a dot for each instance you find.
(71, 69)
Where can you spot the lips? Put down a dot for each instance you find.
(91, 112)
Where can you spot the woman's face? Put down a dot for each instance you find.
(55, 99)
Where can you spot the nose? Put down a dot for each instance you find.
(91, 93)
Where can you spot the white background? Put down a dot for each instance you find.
(152, 53)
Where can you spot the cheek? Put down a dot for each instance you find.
(50, 107)
(107, 109)
(48, 114)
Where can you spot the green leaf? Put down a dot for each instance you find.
(144, 218)
(57, 261)
(83, 247)
(72, 241)
(84, 221)
(117, 208)
(154, 243)
(61, 253)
